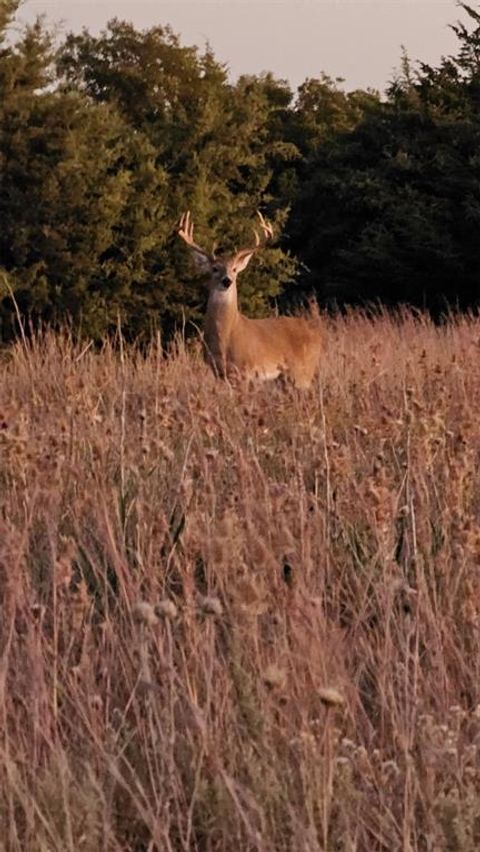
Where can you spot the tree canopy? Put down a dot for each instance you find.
(105, 139)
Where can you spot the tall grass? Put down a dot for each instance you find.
(240, 618)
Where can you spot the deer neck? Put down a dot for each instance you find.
(221, 319)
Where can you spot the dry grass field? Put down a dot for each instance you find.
(242, 618)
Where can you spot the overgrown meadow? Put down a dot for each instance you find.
(242, 618)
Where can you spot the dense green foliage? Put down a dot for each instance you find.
(105, 140)
(395, 203)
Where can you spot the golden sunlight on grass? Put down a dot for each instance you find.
(242, 618)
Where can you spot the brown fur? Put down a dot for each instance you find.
(262, 348)
(252, 348)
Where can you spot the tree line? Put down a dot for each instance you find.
(105, 139)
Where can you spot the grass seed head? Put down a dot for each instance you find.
(274, 677)
(144, 613)
(210, 606)
(331, 697)
(166, 609)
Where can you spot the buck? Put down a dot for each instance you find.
(236, 345)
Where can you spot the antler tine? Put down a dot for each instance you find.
(267, 233)
(266, 226)
(185, 231)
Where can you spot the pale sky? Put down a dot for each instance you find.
(359, 40)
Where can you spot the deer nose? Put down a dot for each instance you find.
(226, 281)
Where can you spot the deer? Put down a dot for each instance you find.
(237, 346)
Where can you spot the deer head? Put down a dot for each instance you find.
(221, 271)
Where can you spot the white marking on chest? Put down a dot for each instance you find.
(221, 298)
(268, 373)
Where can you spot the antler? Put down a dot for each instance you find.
(267, 234)
(266, 227)
(185, 231)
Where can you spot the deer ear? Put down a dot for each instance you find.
(202, 261)
(242, 260)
